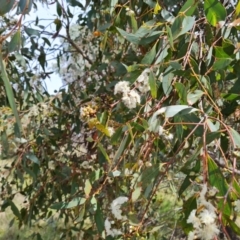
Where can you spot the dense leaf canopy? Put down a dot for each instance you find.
(142, 141)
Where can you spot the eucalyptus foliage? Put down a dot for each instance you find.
(143, 142)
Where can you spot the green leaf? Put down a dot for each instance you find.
(31, 32)
(134, 24)
(75, 3)
(98, 216)
(212, 136)
(152, 84)
(188, 206)
(87, 188)
(194, 96)
(14, 209)
(46, 41)
(189, 7)
(24, 6)
(162, 55)
(149, 57)
(170, 37)
(15, 42)
(186, 183)
(220, 52)
(171, 111)
(235, 136)
(182, 92)
(32, 157)
(59, 9)
(221, 63)
(182, 25)
(133, 38)
(6, 6)
(116, 136)
(20, 59)
(42, 59)
(233, 226)
(112, 6)
(103, 151)
(167, 80)
(66, 205)
(214, 11)
(216, 179)
(187, 24)
(9, 91)
(122, 147)
(136, 193)
(177, 26)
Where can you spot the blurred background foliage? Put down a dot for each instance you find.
(73, 156)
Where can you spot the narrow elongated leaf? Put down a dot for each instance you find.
(234, 227)
(216, 179)
(122, 147)
(15, 42)
(14, 209)
(112, 6)
(170, 37)
(9, 91)
(136, 193)
(171, 111)
(129, 36)
(162, 55)
(59, 9)
(236, 137)
(99, 219)
(66, 205)
(167, 80)
(149, 57)
(87, 188)
(182, 92)
(116, 136)
(152, 84)
(134, 23)
(102, 149)
(177, 26)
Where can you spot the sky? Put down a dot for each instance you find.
(49, 14)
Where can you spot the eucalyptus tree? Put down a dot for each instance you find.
(143, 142)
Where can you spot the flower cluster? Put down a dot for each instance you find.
(87, 111)
(111, 231)
(165, 134)
(203, 220)
(129, 97)
(116, 207)
(117, 213)
(142, 81)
